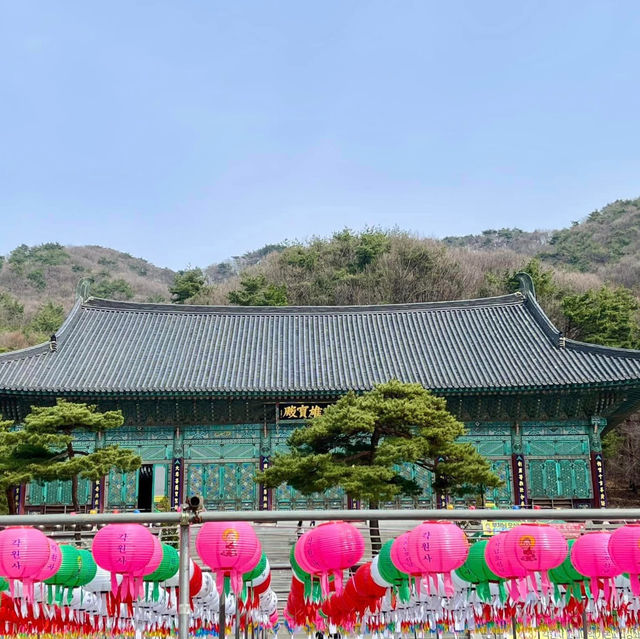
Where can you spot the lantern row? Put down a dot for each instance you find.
(128, 582)
(431, 579)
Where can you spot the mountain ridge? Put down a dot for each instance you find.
(38, 283)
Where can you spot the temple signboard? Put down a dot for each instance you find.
(308, 410)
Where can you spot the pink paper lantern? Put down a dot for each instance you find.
(24, 552)
(590, 557)
(537, 548)
(328, 549)
(436, 547)
(301, 557)
(229, 548)
(624, 548)
(401, 558)
(506, 566)
(53, 563)
(156, 557)
(124, 549)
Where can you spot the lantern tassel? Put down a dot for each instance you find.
(448, 585)
(236, 582)
(512, 586)
(546, 584)
(594, 588)
(338, 578)
(607, 590)
(324, 583)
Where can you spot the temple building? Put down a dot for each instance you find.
(210, 393)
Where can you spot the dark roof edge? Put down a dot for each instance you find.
(555, 335)
(98, 303)
(40, 349)
(547, 326)
(611, 351)
(291, 395)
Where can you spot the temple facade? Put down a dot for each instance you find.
(209, 394)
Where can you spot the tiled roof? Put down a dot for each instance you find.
(492, 344)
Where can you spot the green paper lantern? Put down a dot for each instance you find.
(299, 573)
(476, 571)
(304, 577)
(67, 574)
(168, 565)
(399, 580)
(88, 569)
(4, 585)
(70, 567)
(257, 571)
(566, 575)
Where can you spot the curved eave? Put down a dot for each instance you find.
(40, 349)
(274, 394)
(611, 351)
(555, 335)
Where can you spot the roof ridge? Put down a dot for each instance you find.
(105, 304)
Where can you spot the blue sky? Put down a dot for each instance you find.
(187, 132)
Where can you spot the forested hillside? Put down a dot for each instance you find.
(38, 284)
(606, 242)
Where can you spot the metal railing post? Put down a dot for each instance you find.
(222, 616)
(184, 609)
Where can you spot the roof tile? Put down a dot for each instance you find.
(497, 343)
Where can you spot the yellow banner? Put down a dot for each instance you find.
(570, 529)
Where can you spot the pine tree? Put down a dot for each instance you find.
(48, 433)
(16, 463)
(608, 316)
(186, 284)
(256, 291)
(22, 459)
(359, 442)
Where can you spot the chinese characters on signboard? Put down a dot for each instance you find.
(96, 494)
(17, 498)
(176, 483)
(301, 411)
(519, 483)
(598, 477)
(265, 493)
